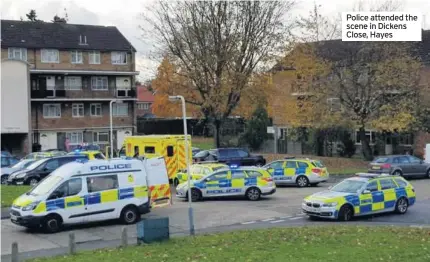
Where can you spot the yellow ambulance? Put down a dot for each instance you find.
(171, 147)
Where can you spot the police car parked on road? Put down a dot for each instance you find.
(302, 172)
(363, 194)
(88, 191)
(250, 182)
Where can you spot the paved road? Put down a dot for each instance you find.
(281, 209)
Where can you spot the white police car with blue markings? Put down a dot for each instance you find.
(251, 182)
(89, 191)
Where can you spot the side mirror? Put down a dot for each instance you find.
(366, 191)
(55, 195)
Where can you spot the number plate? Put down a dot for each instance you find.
(376, 167)
(13, 217)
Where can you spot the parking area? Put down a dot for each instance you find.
(283, 205)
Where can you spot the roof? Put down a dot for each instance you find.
(28, 34)
(144, 95)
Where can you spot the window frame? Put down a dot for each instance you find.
(233, 172)
(78, 135)
(97, 135)
(277, 161)
(149, 147)
(292, 161)
(42, 55)
(250, 172)
(56, 105)
(90, 189)
(303, 163)
(373, 182)
(22, 53)
(94, 54)
(69, 87)
(371, 133)
(119, 53)
(115, 109)
(387, 179)
(95, 105)
(171, 152)
(68, 188)
(79, 106)
(97, 78)
(218, 173)
(78, 55)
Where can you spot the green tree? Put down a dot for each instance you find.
(32, 16)
(256, 128)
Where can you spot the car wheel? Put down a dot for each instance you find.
(52, 223)
(33, 181)
(129, 215)
(302, 181)
(428, 173)
(196, 195)
(253, 194)
(4, 179)
(345, 213)
(397, 173)
(402, 205)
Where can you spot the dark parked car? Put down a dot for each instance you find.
(37, 171)
(401, 165)
(229, 156)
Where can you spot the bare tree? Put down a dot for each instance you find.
(217, 45)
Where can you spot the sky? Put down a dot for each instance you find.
(127, 16)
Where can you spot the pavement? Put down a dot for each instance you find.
(279, 210)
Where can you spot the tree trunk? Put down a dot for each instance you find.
(217, 138)
(365, 146)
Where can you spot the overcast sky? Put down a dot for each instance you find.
(125, 14)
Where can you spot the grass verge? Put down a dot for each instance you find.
(10, 193)
(301, 244)
(203, 143)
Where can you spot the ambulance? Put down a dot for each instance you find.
(89, 191)
(171, 147)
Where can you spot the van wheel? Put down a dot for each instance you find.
(302, 181)
(253, 194)
(52, 223)
(129, 215)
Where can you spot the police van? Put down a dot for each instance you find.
(89, 191)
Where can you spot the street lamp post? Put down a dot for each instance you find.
(111, 124)
(187, 152)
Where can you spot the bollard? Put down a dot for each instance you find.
(72, 244)
(14, 255)
(124, 237)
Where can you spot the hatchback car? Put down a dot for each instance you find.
(400, 165)
(5, 171)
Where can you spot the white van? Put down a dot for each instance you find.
(89, 191)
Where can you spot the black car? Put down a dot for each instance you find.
(239, 156)
(37, 171)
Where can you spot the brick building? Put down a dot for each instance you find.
(75, 71)
(145, 100)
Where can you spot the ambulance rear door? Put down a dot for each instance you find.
(158, 181)
(181, 154)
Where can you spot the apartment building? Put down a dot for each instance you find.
(75, 72)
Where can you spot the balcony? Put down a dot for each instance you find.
(48, 93)
(84, 94)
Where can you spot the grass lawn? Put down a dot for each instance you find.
(301, 244)
(10, 193)
(203, 142)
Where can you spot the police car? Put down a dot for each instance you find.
(88, 191)
(250, 182)
(363, 194)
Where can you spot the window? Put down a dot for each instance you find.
(387, 184)
(100, 137)
(242, 153)
(73, 83)
(101, 183)
(77, 110)
(94, 58)
(99, 83)
(206, 171)
(120, 109)
(406, 139)
(76, 57)
(372, 186)
(143, 106)
(136, 151)
(119, 58)
(253, 173)
(237, 174)
(50, 56)
(401, 160)
(17, 53)
(96, 109)
(75, 138)
(401, 182)
(52, 164)
(149, 150)
(69, 188)
(276, 165)
(195, 170)
(291, 164)
(51, 110)
(99, 156)
(219, 176)
(414, 160)
(371, 136)
(170, 151)
(302, 165)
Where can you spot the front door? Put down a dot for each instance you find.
(290, 171)
(216, 184)
(366, 199)
(388, 190)
(102, 199)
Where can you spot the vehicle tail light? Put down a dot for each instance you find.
(386, 166)
(268, 179)
(316, 171)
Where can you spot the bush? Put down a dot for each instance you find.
(347, 146)
(256, 129)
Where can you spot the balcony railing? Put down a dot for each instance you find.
(84, 93)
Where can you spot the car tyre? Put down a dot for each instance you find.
(4, 179)
(196, 195)
(402, 205)
(302, 181)
(33, 181)
(253, 194)
(397, 173)
(428, 174)
(129, 215)
(52, 223)
(345, 213)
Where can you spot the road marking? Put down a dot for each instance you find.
(295, 218)
(266, 220)
(277, 221)
(249, 222)
(285, 217)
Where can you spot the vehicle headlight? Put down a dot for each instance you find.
(31, 206)
(21, 175)
(331, 204)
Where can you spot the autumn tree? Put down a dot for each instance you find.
(217, 46)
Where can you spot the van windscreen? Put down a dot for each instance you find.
(46, 185)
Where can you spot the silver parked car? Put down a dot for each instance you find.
(6, 171)
(401, 165)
